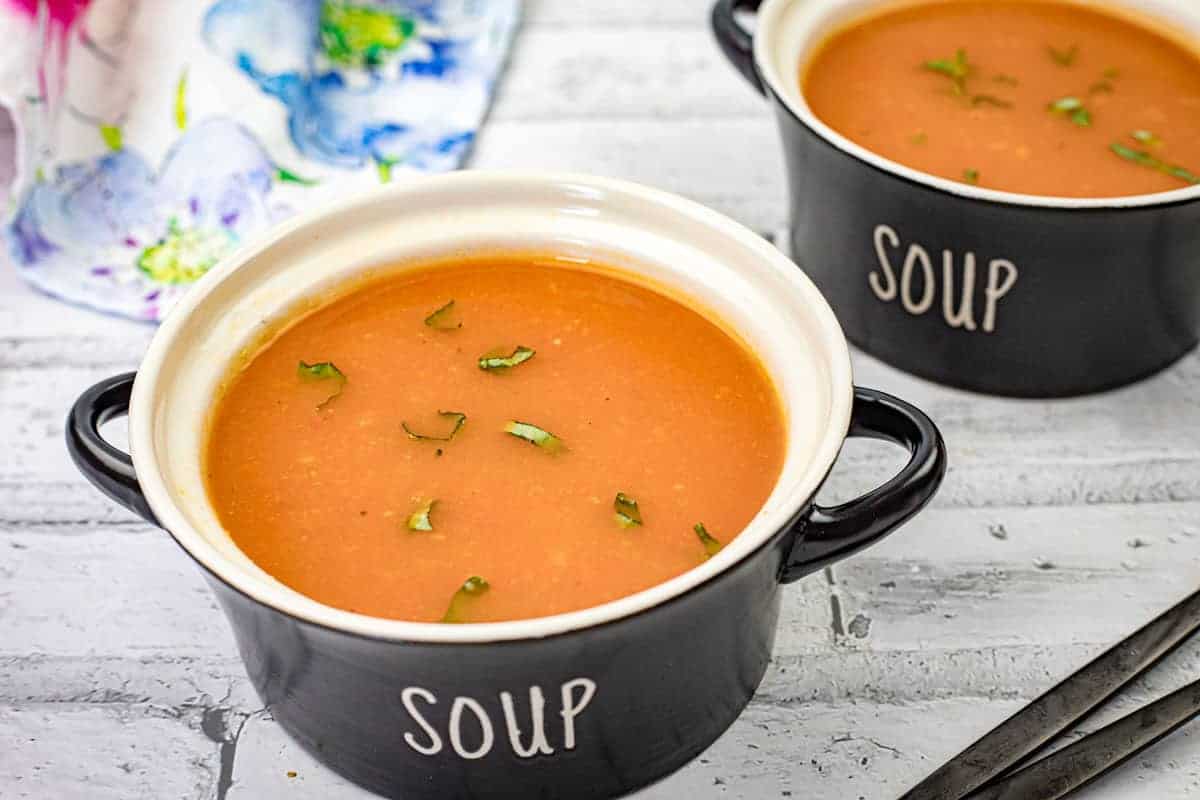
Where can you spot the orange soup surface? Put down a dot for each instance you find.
(314, 467)
(1031, 96)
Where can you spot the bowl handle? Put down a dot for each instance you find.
(110, 470)
(827, 534)
(735, 41)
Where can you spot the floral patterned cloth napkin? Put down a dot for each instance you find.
(155, 136)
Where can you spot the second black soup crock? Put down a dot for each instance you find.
(987, 290)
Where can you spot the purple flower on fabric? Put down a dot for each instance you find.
(120, 236)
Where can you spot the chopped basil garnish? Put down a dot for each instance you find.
(989, 100)
(472, 587)
(500, 363)
(1099, 87)
(956, 69)
(711, 545)
(1073, 108)
(1182, 174)
(322, 371)
(1147, 160)
(458, 417)
(971, 175)
(534, 435)
(1007, 80)
(1065, 104)
(419, 520)
(1146, 137)
(1064, 58)
(440, 319)
(1112, 72)
(626, 507)
(919, 138)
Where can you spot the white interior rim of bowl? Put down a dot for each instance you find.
(174, 520)
(787, 90)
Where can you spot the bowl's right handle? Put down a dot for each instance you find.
(735, 41)
(827, 534)
(110, 470)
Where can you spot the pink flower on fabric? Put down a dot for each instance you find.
(63, 12)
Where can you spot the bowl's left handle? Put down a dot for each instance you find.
(736, 42)
(827, 534)
(110, 470)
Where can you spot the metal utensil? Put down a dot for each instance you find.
(1029, 730)
(1080, 763)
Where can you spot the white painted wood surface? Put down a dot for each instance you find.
(119, 678)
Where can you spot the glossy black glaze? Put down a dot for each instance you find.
(830, 534)
(668, 682)
(109, 470)
(660, 685)
(1065, 301)
(734, 41)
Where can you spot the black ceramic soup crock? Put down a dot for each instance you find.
(987, 290)
(590, 704)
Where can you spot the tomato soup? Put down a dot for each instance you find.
(492, 439)
(1032, 96)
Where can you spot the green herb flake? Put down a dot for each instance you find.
(1146, 137)
(323, 371)
(534, 435)
(626, 507)
(1182, 174)
(458, 420)
(419, 520)
(440, 320)
(1065, 104)
(471, 588)
(320, 370)
(1146, 160)
(971, 176)
(990, 100)
(1111, 72)
(711, 545)
(1064, 58)
(1073, 109)
(1101, 87)
(919, 138)
(956, 69)
(1129, 154)
(496, 362)
(1006, 80)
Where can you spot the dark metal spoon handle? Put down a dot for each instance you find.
(1076, 765)
(1056, 711)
